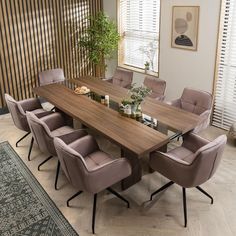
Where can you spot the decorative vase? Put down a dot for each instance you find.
(136, 110)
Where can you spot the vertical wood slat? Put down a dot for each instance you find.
(67, 30)
(4, 81)
(38, 35)
(20, 31)
(29, 73)
(7, 36)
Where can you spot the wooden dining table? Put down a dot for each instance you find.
(135, 139)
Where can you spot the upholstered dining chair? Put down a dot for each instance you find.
(189, 165)
(18, 110)
(157, 87)
(51, 76)
(123, 78)
(90, 169)
(198, 102)
(44, 130)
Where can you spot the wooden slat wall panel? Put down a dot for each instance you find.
(37, 35)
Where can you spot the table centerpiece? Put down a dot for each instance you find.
(131, 105)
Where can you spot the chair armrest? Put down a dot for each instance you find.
(168, 156)
(204, 121)
(193, 142)
(53, 121)
(160, 98)
(85, 145)
(73, 136)
(175, 103)
(42, 114)
(178, 171)
(205, 114)
(108, 80)
(30, 104)
(108, 174)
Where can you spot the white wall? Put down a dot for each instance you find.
(182, 68)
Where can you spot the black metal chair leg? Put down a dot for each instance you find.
(161, 189)
(22, 138)
(57, 174)
(118, 195)
(185, 207)
(75, 195)
(30, 148)
(50, 157)
(207, 194)
(94, 212)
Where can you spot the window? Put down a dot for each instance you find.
(224, 113)
(139, 31)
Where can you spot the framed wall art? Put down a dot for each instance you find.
(185, 20)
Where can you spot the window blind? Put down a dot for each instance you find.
(224, 113)
(139, 30)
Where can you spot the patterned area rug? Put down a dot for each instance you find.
(25, 207)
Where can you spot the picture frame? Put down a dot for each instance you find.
(185, 23)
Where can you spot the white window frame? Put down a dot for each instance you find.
(121, 48)
(224, 110)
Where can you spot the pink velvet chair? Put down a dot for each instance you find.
(51, 76)
(90, 169)
(18, 110)
(122, 78)
(189, 165)
(198, 102)
(44, 130)
(157, 86)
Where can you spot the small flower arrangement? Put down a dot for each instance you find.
(131, 104)
(137, 94)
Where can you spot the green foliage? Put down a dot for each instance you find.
(100, 39)
(136, 95)
(147, 65)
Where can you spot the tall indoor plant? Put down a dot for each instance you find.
(101, 40)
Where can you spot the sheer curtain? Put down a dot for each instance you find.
(224, 112)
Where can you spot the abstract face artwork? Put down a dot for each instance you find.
(185, 27)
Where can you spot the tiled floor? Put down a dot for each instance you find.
(163, 216)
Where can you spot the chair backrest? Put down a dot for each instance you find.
(123, 78)
(41, 132)
(73, 163)
(51, 76)
(206, 161)
(196, 101)
(17, 113)
(157, 86)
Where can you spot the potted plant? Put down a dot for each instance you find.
(135, 96)
(147, 66)
(101, 40)
(149, 51)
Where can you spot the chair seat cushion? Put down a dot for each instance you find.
(61, 131)
(96, 159)
(183, 154)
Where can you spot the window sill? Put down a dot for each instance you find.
(138, 70)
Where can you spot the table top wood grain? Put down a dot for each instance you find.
(176, 119)
(128, 133)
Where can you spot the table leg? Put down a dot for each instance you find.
(136, 174)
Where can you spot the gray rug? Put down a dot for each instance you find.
(25, 207)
